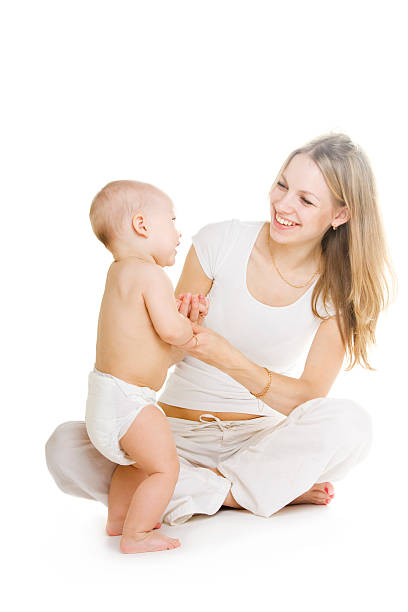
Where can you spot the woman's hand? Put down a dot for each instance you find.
(212, 348)
(193, 306)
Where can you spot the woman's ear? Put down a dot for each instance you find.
(342, 216)
(139, 225)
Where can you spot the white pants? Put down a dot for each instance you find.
(266, 465)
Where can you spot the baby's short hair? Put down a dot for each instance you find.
(115, 205)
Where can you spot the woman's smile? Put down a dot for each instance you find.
(283, 224)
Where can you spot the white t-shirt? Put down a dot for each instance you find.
(277, 337)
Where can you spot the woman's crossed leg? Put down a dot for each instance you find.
(319, 493)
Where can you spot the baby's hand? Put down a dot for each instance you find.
(194, 306)
(204, 306)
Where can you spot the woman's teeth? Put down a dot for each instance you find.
(283, 221)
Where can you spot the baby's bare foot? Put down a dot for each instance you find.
(150, 542)
(321, 493)
(115, 528)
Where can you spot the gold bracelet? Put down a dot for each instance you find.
(265, 391)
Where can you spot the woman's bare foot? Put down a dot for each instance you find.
(320, 493)
(115, 528)
(149, 542)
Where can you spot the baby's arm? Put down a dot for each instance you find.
(195, 307)
(171, 326)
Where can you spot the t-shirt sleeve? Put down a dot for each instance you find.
(212, 244)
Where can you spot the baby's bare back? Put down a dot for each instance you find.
(128, 346)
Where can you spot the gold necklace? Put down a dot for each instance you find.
(284, 279)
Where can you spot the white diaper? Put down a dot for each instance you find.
(111, 408)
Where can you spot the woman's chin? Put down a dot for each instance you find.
(278, 236)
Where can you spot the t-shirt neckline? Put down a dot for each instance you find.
(250, 296)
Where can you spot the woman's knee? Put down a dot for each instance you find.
(66, 439)
(349, 420)
(338, 420)
(54, 449)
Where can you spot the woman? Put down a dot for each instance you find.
(250, 417)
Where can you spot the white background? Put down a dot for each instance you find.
(204, 100)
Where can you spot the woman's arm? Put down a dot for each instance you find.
(193, 277)
(323, 363)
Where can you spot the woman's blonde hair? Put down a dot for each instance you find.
(357, 274)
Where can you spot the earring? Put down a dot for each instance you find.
(334, 227)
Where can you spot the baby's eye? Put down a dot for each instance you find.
(174, 218)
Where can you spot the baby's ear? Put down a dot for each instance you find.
(139, 225)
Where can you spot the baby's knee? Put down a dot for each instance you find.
(169, 468)
(173, 468)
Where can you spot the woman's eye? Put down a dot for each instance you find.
(282, 186)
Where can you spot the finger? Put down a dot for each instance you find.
(203, 309)
(187, 299)
(185, 306)
(194, 309)
(205, 301)
(202, 299)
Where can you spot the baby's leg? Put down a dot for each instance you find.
(124, 483)
(150, 443)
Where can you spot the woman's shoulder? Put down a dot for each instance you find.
(229, 225)
(215, 241)
(224, 234)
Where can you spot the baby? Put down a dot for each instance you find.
(138, 323)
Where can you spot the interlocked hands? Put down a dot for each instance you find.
(194, 306)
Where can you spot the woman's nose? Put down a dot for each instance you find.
(286, 203)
